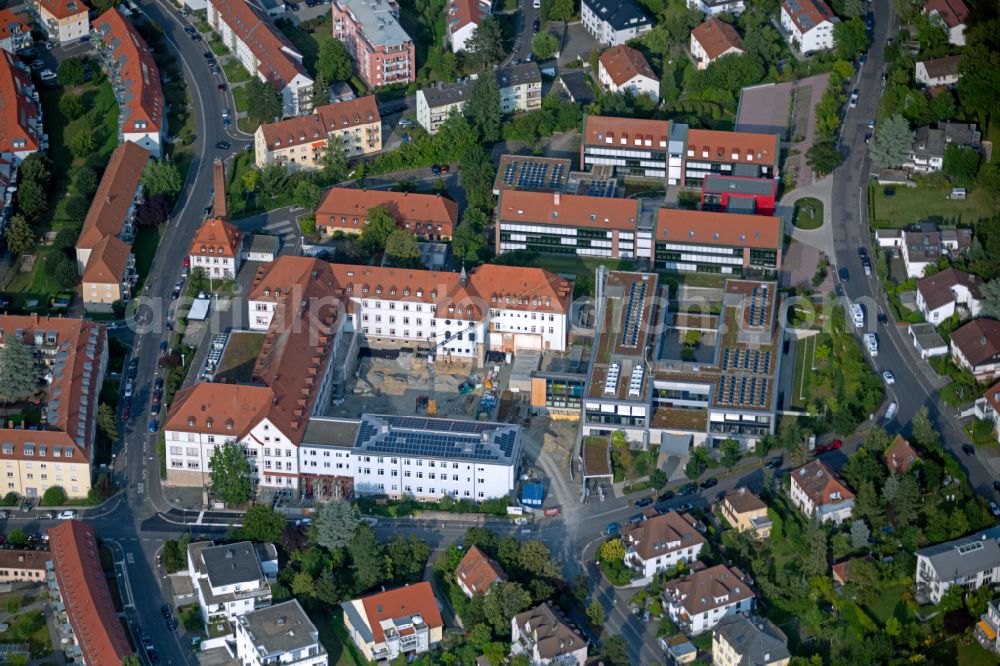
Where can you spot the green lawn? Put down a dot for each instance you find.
(808, 214)
(804, 350)
(890, 603)
(307, 38)
(29, 628)
(956, 651)
(235, 72)
(333, 636)
(908, 205)
(146, 241)
(236, 366)
(218, 48)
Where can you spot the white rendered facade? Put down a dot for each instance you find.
(428, 479)
(233, 598)
(214, 266)
(279, 634)
(818, 38)
(716, 7)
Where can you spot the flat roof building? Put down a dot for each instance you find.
(279, 634)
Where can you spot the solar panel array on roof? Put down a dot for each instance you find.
(758, 306)
(601, 188)
(532, 174)
(437, 438)
(508, 174)
(556, 178)
(633, 314)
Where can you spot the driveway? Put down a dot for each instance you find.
(576, 42)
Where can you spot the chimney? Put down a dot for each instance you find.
(555, 198)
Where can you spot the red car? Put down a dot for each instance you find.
(187, 262)
(126, 412)
(832, 446)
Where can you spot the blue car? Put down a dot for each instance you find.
(612, 529)
(154, 425)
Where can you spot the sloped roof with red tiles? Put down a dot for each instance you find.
(993, 397)
(113, 198)
(229, 410)
(698, 591)
(941, 67)
(85, 594)
(219, 208)
(64, 8)
(400, 603)
(807, 14)
(217, 238)
(717, 37)
(623, 63)
(315, 127)
(679, 225)
(662, 534)
(952, 12)
(900, 456)
(734, 147)
(820, 484)
(18, 111)
(277, 59)
(567, 210)
(461, 13)
(979, 341)
(107, 262)
(936, 289)
(141, 100)
(11, 23)
(625, 132)
(407, 208)
(478, 572)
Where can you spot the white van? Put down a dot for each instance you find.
(871, 342)
(858, 314)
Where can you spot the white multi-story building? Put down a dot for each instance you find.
(64, 20)
(660, 542)
(816, 490)
(940, 295)
(229, 580)
(279, 634)
(388, 624)
(716, 7)
(697, 602)
(972, 561)
(808, 24)
(614, 22)
(623, 68)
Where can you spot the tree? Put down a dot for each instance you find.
(275, 181)
(262, 523)
(615, 651)
(483, 108)
(334, 162)
(77, 207)
(54, 496)
(557, 10)
(824, 157)
(467, 244)
(544, 45)
(20, 236)
(612, 551)
(893, 627)
(32, 199)
(70, 72)
(697, 463)
(367, 564)
(534, 558)
(503, 602)
(83, 143)
(19, 375)
(231, 473)
(477, 177)
(107, 422)
(333, 62)
(868, 505)
(990, 292)
(250, 180)
(154, 211)
(849, 8)
(815, 561)
(979, 82)
(321, 91)
(657, 478)
(191, 618)
(72, 106)
(405, 558)
(401, 249)
(61, 268)
(730, 452)
(335, 524)
(925, 434)
(307, 195)
(85, 181)
(850, 38)
(891, 145)
(307, 225)
(595, 613)
(859, 534)
(161, 177)
(485, 45)
(379, 225)
(961, 164)
(263, 102)
(17, 538)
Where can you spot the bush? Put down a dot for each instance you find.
(54, 496)
(76, 207)
(10, 499)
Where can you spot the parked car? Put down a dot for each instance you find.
(126, 413)
(47, 75)
(636, 519)
(405, 122)
(687, 489)
(844, 274)
(67, 515)
(665, 496)
(683, 508)
(709, 483)
(196, 37)
(643, 503)
(854, 99)
(154, 409)
(158, 383)
(222, 145)
(536, 26)
(832, 446)
(47, 515)
(189, 29)
(969, 449)
(154, 425)
(775, 463)
(890, 413)
(994, 509)
(435, 169)
(889, 378)
(221, 87)
(37, 65)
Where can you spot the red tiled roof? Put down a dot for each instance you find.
(107, 261)
(900, 456)
(993, 397)
(114, 194)
(219, 207)
(64, 8)
(662, 534)
(478, 572)
(714, 228)
(820, 484)
(623, 64)
(217, 238)
(403, 602)
(748, 147)
(277, 59)
(9, 21)
(17, 108)
(567, 210)
(142, 99)
(415, 212)
(941, 67)
(952, 12)
(224, 409)
(85, 594)
(697, 592)
(807, 14)
(717, 37)
(610, 131)
(463, 12)
(979, 341)
(315, 126)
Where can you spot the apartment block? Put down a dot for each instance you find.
(279, 634)
(15, 34)
(971, 561)
(427, 216)
(63, 20)
(713, 39)
(546, 636)
(975, 347)
(711, 242)
(700, 600)
(300, 143)
(520, 89)
(217, 249)
(23, 566)
(623, 68)
(21, 129)
(746, 639)
(746, 512)
(383, 53)
(614, 22)
(229, 579)
(816, 491)
(661, 542)
(388, 624)
(808, 24)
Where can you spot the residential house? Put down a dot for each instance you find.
(383, 53)
(623, 68)
(217, 249)
(614, 22)
(15, 33)
(23, 566)
(952, 14)
(110, 274)
(746, 512)
(661, 542)
(129, 65)
(705, 241)
(938, 71)
(520, 87)
(229, 579)
(462, 17)
(388, 624)
(545, 636)
(300, 143)
(700, 600)
(816, 490)
(927, 340)
(264, 52)
(808, 24)
(279, 634)
(713, 39)
(927, 245)
(988, 408)
(929, 144)
(72, 357)
(426, 216)
(90, 632)
(988, 627)
(975, 347)
(64, 21)
(900, 457)
(436, 103)
(940, 295)
(477, 572)
(971, 561)
(749, 640)
(716, 7)
(21, 130)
